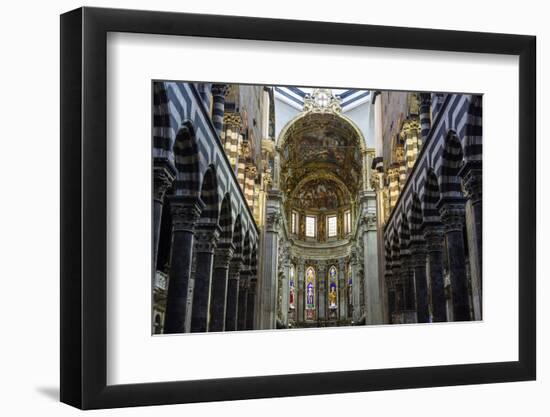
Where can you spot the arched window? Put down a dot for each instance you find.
(310, 293)
(291, 288)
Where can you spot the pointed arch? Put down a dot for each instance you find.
(226, 220)
(186, 161)
(430, 199)
(238, 237)
(404, 236)
(451, 162)
(209, 196)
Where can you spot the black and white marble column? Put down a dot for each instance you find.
(425, 118)
(206, 238)
(163, 175)
(244, 280)
(233, 293)
(452, 217)
(218, 296)
(218, 108)
(471, 174)
(433, 236)
(418, 260)
(185, 214)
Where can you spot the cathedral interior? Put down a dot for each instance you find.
(280, 207)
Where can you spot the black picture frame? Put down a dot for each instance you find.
(84, 207)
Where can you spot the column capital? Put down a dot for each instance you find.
(235, 266)
(206, 237)
(433, 235)
(472, 178)
(223, 255)
(369, 221)
(220, 89)
(185, 211)
(164, 175)
(452, 214)
(273, 221)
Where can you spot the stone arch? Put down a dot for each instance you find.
(226, 220)
(430, 199)
(451, 163)
(238, 237)
(186, 161)
(209, 196)
(404, 236)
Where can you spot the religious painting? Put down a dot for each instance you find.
(320, 194)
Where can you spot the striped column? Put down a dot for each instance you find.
(249, 181)
(406, 265)
(206, 238)
(222, 257)
(433, 235)
(218, 96)
(185, 213)
(241, 164)
(451, 208)
(231, 135)
(393, 179)
(204, 93)
(418, 256)
(425, 119)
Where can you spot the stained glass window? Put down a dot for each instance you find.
(331, 226)
(310, 294)
(333, 288)
(292, 292)
(310, 226)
